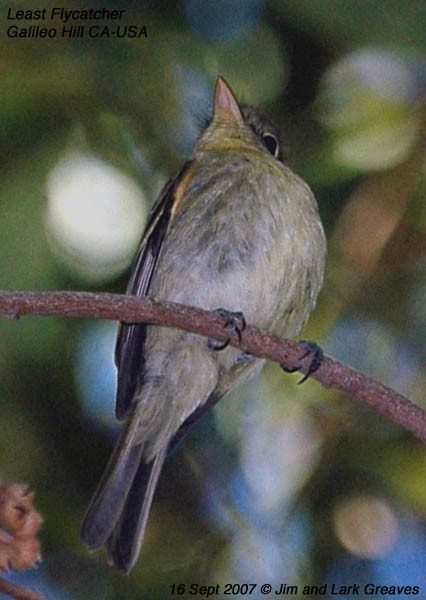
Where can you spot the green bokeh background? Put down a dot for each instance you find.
(353, 126)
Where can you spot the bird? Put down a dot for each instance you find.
(235, 229)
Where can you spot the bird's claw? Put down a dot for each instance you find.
(234, 321)
(317, 356)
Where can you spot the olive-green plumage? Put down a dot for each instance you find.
(235, 229)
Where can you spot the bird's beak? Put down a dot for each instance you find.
(225, 106)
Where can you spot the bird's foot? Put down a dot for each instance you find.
(317, 355)
(235, 321)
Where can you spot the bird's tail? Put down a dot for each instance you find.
(118, 512)
(124, 543)
(110, 496)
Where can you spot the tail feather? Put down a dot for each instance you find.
(118, 513)
(110, 496)
(125, 541)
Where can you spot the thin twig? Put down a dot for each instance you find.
(19, 593)
(331, 373)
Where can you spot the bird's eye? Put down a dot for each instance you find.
(271, 144)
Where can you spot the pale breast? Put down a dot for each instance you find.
(244, 240)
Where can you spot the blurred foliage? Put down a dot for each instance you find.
(280, 482)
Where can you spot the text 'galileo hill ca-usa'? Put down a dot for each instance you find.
(66, 23)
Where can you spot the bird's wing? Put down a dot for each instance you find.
(131, 337)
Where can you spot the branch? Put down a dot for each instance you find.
(131, 309)
(18, 593)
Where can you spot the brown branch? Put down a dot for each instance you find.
(18, 593)
(331, 373)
